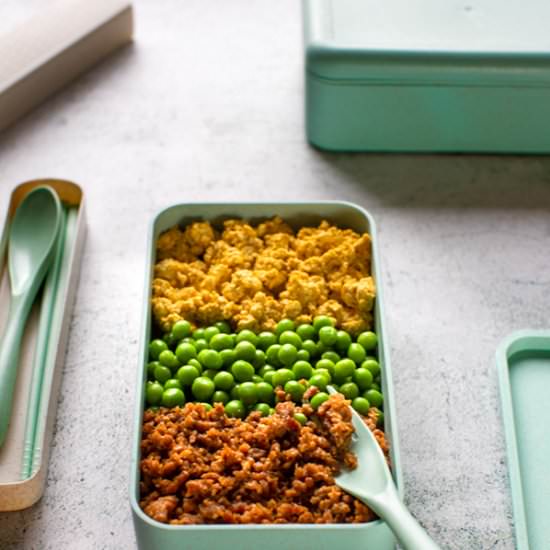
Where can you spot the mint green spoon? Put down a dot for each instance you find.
(33, 234)
(371, 482)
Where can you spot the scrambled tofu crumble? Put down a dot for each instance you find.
(255, 276)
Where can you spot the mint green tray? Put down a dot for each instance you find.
(523, 362)
(427, 76)
(152, 535)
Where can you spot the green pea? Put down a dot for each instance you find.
(326, 373)
(271, 410)
(187, 374)
(248, 394)
(207, 406)
(243, 371)
(284, 324)
(318, 399)
(326, 364)
(235, 409)
(259, 359)
(372, 365)
(201, 344)
(169, 340)
(169, 359)
(375, 386)
(321, 348)
(264, 369)
(302, 369)
(272, 355)
(173, 397)
(257, 378)
(363, 378)
(368, 340)
(198, 334)
(221, 341)
(263, 408)
(265, 392)
(295, 390)
(162, 373)
(300, 417)
(156, 347)
(268, 376)
(153, 393)
(219, 396)
(322, 321)
(343, 369)
(357, 353)
(380, 419)
(210, 373)
(246, 335)
(319, 381)
(349, 390)
(305, 331)
(287, 354)
(266, 339)
(234, 393)
(195, 363)
(331, 356)
(151, 369)
(327, 335)
(289, 337)
(228, 357)
(310, 346)
(223, 326)
(210, 359)
(154, 408)
(246, 351)
(202, 388)
(374, 397)
(361, 405)
(181, 329)
(172, 383)
(302, 355)
(184, 352)
(281, 377)
(224, 380)
(343, 341)
(210, 332)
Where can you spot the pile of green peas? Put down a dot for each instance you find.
(242, 370)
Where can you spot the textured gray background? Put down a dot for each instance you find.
(207, 105)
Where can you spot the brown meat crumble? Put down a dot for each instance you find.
(201, 466)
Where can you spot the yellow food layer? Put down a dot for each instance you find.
(255, 276)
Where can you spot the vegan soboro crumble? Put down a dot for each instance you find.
(203, 467)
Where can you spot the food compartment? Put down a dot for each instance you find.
(273, 362)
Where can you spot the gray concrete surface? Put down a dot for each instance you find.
(207, 105)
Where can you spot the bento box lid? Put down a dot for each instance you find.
(470, 41)
(523, 366)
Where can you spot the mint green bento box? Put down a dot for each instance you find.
(431, 75)
(152, 535)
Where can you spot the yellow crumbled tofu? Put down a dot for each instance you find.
(255, 276)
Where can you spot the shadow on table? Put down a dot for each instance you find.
(445, 181)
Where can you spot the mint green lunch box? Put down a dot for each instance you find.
(152, 535)
(523, 366)
(427, 75)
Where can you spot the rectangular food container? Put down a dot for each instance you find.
(427, 76)
(523, 366)
(152, 535)
(25, 452)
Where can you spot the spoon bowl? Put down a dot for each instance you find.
(372, 483)
(33, 235)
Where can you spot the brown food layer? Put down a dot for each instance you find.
(254, 276)
(204, 467)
